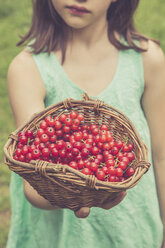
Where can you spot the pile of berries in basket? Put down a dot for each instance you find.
(89, 148)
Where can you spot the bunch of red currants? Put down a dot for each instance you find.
(89, 148)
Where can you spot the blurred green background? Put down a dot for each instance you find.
(14, 20)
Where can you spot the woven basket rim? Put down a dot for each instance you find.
(52, 167)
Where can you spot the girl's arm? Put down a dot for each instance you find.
(26, 93)
(153, 103)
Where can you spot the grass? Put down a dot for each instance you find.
(14, 20)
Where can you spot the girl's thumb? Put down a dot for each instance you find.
(82, 212)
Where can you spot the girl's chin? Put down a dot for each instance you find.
(76, 24)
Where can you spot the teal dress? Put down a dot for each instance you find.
(135, 222)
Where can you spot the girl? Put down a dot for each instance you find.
(77, 46)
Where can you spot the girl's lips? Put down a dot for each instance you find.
(77, 9)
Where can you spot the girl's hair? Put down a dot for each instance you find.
(48, 31)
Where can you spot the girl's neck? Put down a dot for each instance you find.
(90, 35)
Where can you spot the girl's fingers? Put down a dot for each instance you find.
(112, 203)
(82, 212)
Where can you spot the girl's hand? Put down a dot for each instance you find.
(163, 244)
(84, 211)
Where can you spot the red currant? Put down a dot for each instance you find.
(66, 129)
(130, 156)
(43, 125)
(29, 134)
(104, 127)
(36, 154)
(119, 172)
(55, 152)
(100, 174)
(59, 133)
(50, 121)
(80, 117)
(130, 171)
(50, 131)
(122, 165)
(45, 152)
(60, 144)
(62, 118)
(93, 166)
(68, 121)
(86, 171)
(125, 160)
(73, 114)
(23, 140)
(57, 125)
(44, 138)
(112, 170)
(73, 164)
(81, 164)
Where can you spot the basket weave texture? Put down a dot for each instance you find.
(64, 186)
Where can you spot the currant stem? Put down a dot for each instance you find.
(28, 142)
(36, 127)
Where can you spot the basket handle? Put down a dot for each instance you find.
(86, 97)
(141, 168)
(143, 164)
(97, 103)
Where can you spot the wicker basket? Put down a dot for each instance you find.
(64, 186)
